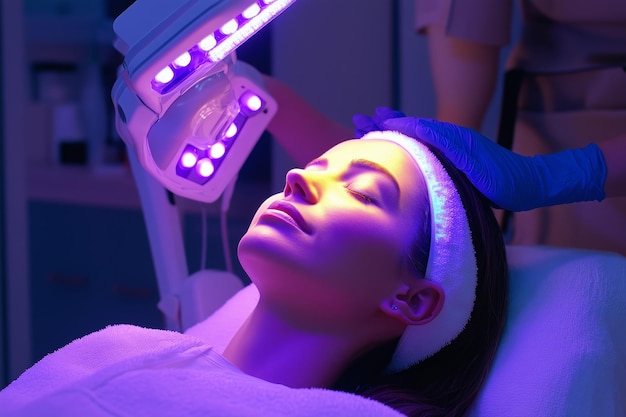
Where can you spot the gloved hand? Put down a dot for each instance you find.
(512, 181)
(364, 124)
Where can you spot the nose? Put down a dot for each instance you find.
(301, 184)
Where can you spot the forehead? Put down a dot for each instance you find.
(383, 152)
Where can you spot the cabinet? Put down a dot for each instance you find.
(91, 266)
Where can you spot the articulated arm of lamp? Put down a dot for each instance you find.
(189, 114)
(185, 299)
(166, 241)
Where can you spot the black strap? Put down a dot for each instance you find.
(508, 108)
(506, 128)
(508, 114)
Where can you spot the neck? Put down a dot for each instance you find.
(270, 348)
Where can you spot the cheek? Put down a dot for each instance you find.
(348, 266)
(360, 247)
(359, 266)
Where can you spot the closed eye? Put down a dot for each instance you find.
(362, 197)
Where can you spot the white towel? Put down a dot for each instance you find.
(132, 371)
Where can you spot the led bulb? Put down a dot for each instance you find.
(253, 102)
(229, 27)
(208, 43)
(183, 60)
(217, 150)
(232, 131)
(165, 75)
(251, 11)
(205, 168)
(189, 159)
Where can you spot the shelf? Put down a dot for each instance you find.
(69, 30)
(80, 185)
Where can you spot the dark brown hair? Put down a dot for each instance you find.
(447, 383)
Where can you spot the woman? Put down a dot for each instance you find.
(379, 274)
(447, 381)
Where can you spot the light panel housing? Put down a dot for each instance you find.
(190, 111)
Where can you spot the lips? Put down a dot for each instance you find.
(291, 211)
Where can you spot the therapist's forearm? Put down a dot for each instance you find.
(303, 131)
(464, 77)
(614, 152)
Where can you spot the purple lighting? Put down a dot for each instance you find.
(250, 103)
(217, 150)
(219, 44)
(230, 27)
(205, 168)
(254, 103)
(189, 159)
(164, 76)
(208, 43)
(183, 60)
(198, 163)
(251, 11)
(231, 132)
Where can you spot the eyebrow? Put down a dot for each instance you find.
(363, 163)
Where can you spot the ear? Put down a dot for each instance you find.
(415, 303)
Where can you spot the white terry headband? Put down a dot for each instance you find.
(451, 262)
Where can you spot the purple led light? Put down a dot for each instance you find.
(251, 11)
(231, 131)
(217, 150)
(178, 71)
(205, 168)
(208, 43)
(253, 102)
(199, 163)
(250, 103)
(230, 27)
(215, 46)
(164, 76)
(189, 159)
(183, 60)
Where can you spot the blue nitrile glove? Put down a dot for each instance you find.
(512, 181)
(364, 124)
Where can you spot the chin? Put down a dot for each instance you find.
(263, 250)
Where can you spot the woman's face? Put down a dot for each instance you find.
(334, 243)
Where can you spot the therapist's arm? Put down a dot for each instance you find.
(304, 132)
(464, 77)
(516, 182)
